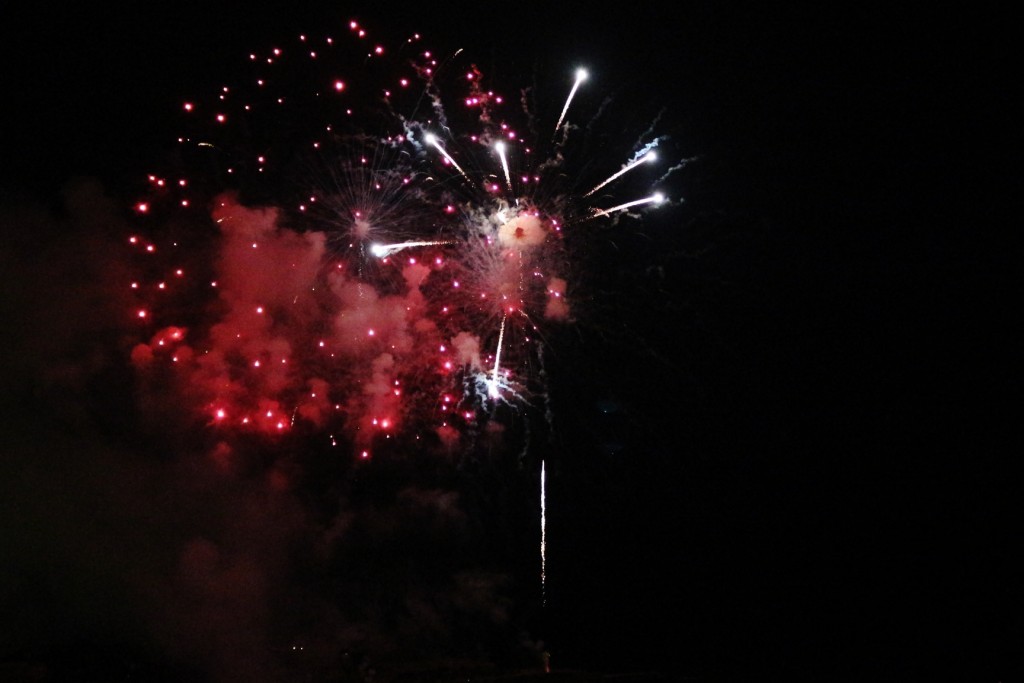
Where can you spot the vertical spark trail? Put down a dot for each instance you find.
(650, 156)
(500, 148)
(543, 535)
(493, 389)
(581, 75)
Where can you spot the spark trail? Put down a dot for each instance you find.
(499, 147)
(493, 385)
(385, 250)
(543, 533)
(649, 157)
(581, 75)
(656, 198)
(431, 139)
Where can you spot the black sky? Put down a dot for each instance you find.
(807, 469)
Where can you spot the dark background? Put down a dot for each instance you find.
(807, 469)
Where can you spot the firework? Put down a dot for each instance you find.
(386, 251)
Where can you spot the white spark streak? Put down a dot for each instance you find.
(543, 534)
(656, 198)
(499, 147)
(383, 250)
(493, 383)
(431, 139)
(650, 156)
(581, 75)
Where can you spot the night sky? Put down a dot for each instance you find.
(783, 442)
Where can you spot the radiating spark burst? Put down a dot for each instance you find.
(359, 283)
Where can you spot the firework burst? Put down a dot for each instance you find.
(387, 245)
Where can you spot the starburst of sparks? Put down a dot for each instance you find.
(387, 246)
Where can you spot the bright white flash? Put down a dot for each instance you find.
(656, 198)
(581, 75)
(650, 156)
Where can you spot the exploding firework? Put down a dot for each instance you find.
(388, 244)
